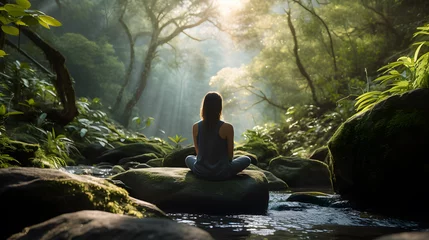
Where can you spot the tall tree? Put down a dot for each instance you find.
(168, 19)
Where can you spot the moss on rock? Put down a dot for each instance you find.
(382, 150)
(302, 173)
(54, 192)
(177, 158)
(178, 189)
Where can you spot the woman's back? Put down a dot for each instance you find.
(212, 158)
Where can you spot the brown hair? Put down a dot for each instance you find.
(211, 109)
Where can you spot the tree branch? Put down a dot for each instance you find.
(387, 22)
(298, 59)
(132, 58)
(334, 59)
(263, 97)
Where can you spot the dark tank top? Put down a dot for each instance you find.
(212, 160)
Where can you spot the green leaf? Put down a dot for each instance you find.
(24, 3)
(149, 121)
(20, 23)
(50, 21)
(4, 20)
(15, 10)
(45, 25)
(10, 30)
(14, 113)
(83, 131)
(416, 54)
(31, 102)
(2, 53)
(2, 110)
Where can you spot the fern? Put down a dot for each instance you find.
(405, 74)
(7, 161)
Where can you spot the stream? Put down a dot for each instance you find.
(286, 220)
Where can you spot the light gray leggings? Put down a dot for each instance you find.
(237, 165)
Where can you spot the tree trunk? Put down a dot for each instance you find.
(132, 59)
(63, 83)
(142, 84)
(298, 60)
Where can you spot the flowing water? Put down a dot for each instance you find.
(287, 220)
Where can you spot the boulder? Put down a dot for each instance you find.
(382, 151)
(274, 183)
(263, 150)
(406, 236)
(179, 190)
(177, 158)
(142, 158)
(301, 173)
(34, 195)
(129, 150)
(316, 198)
(155, 162)
(89, 225)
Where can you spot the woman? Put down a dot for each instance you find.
(214, 143)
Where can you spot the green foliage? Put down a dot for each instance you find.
(142, 123)
(7, 161)
(301, 131)
(398, 77)
(95, 67)
(177, 140)
(20, 14)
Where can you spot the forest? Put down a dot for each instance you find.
(328, 98)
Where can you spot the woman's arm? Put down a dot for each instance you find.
(195, 134)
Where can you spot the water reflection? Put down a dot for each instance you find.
(286, 220)
(298, 221)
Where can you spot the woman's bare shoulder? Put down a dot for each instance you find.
(227, 125)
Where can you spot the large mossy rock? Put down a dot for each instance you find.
(383, 151)
(177, 157)
(32, 195)
(274, 183)
(130, 150)
(91, 225)
(263, 150)
(179, 190)
(302, 173)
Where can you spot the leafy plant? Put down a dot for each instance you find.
(7, 161)
(407, 73)
(177, 140)
(20, 14)
(142, 123)
(4, 113)
(58, 145)
(301, 131)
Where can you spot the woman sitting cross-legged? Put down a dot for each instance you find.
(214, 144)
